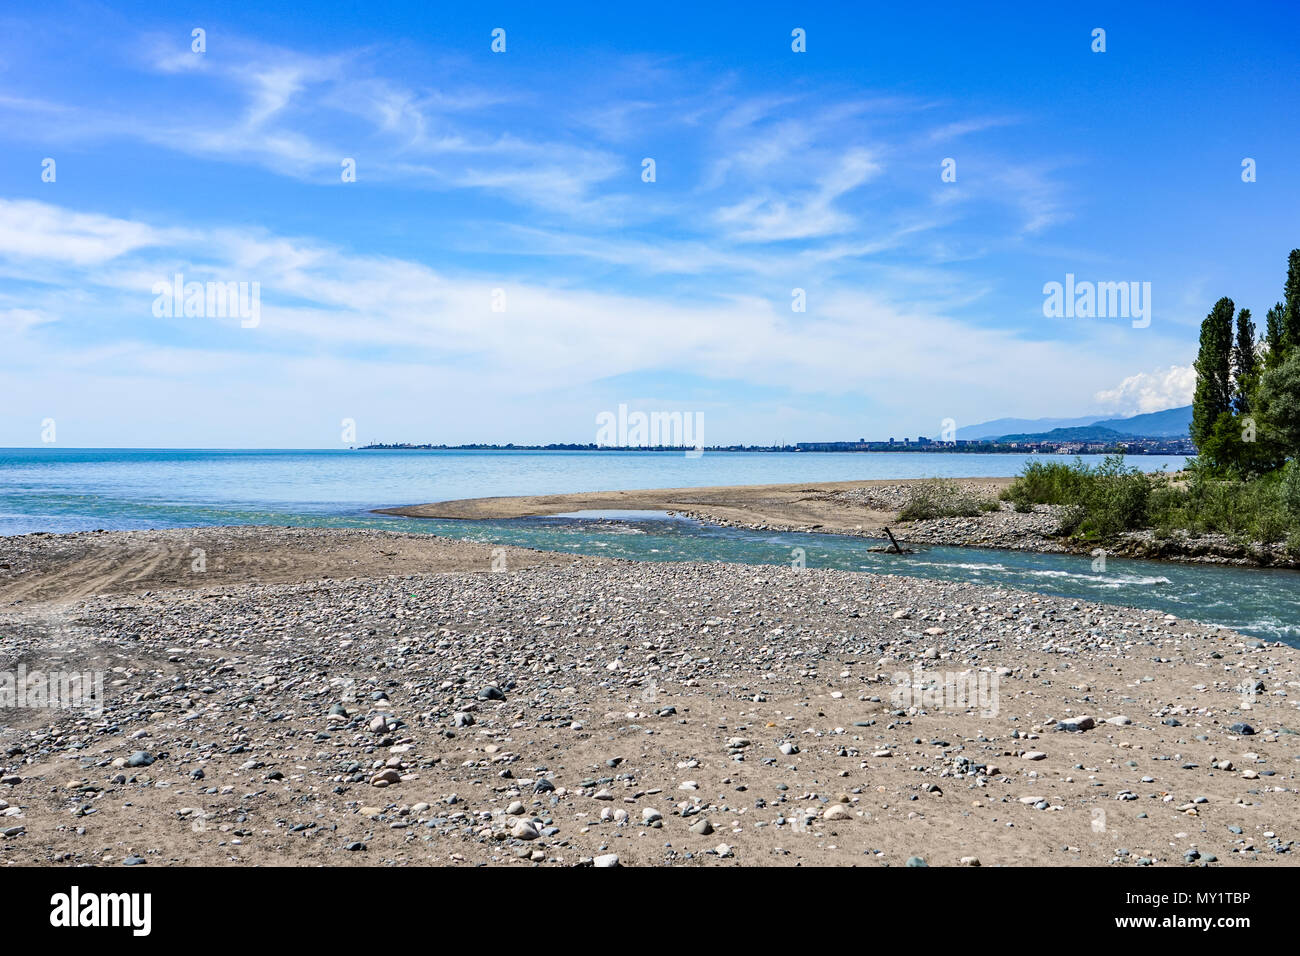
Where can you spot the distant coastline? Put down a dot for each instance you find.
(1138, 446)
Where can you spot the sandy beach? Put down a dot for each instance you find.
(320, 696)
(838, 506)
(864, 508)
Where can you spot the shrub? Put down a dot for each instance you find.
(1106, 500)
(1048, 483)
(1114, 499)
(939, 498)
(1290, 489)
(1020, 501)
(1269, 526)
(1101, 501)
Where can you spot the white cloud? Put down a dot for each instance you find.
(736, 168)
(960, 128)
(606, 276)
(36, 230)
(17, 321)
(1151, 391)
(774, 217)
(384, 319)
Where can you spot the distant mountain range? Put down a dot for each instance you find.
(1171, 423)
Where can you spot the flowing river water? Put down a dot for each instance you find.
(85, 489)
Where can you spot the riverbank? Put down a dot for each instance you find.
(397, 698)
(866, 508)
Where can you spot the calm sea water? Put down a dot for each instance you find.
(74, 490)
(53, 489)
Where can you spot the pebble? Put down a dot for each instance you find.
(524, 830)
(234, 693)
(1076, 724)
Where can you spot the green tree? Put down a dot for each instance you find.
(1213, 397)
(1244, 362)
(1278, 401)
(1273, 335)
(1291, 317)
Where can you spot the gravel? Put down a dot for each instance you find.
(354, 721)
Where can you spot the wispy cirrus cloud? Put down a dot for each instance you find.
(773, 218)
(478, 174)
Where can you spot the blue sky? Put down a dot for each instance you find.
(522, 172)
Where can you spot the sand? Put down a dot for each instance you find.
(320, 697)
(801, 506)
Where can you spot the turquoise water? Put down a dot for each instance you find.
(54, 489)
(1261, 602)
(72, 490)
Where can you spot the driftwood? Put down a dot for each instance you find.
(895, 548)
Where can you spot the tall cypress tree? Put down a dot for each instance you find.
(1273, 334)
(1244, 363)
(1213, 396)
(1291, 316)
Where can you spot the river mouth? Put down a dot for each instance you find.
(1260, 602)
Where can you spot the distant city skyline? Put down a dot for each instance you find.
(1169, 424)
(286, 227)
